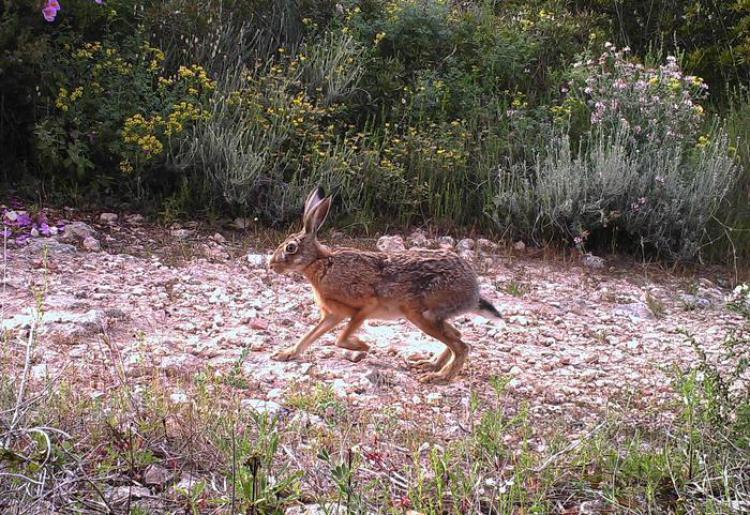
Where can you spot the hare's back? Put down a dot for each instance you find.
(438, 281)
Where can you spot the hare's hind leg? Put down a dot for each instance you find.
(446, 333)
(435, 363)
(328, 322)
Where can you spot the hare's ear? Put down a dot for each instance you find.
(315, 196)
(317, 215)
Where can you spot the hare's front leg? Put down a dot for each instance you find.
(328, 322)
(346, 339)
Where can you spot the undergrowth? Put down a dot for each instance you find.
(64, 448)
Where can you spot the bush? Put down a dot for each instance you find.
(658, 104)
(659, 195)
(117, 108)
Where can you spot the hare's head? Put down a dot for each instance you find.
(301, 248)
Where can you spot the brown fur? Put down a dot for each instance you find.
(425, 286)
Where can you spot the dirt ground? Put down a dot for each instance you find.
(576, 341)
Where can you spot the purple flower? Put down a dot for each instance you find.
(44, 229)
(50, 10)
(23, 220)
(6, 232)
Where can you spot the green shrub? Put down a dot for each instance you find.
(117, 108)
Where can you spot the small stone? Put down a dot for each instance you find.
(695, 302)
(178, 398)
(486, 246)
(242, 223)
(355, 356)
(39, 372)
(257, 260)
(108, 218)
(34, 232)
(156, 475)
(51, 247)
(261, 406)
(181, 234)
(593, 262)
(122, 494)
(218, 238)
(434, 398)
(391, 244)
(516, 371)
(418, 239)
(465, 244)
(186, 484)
(519, 246)
(76, 231)
(591, 359)
(446, 242)
(91, 244)
(260, 324)
(634, 310)
(135, 219)
(467, 255)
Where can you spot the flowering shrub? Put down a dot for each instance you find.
(656, 104)
(739, 300)
(117, 105)
(51, 8)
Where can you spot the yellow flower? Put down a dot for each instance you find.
(125, 166)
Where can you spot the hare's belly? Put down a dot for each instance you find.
(387, 313)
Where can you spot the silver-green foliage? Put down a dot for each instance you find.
(663, 195)
(254, 152)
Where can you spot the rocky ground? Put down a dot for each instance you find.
(579, 337)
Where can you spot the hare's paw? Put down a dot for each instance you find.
(353, 343)
(285, 355)
(435, 378)
(425, 364)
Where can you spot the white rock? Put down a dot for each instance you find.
(121, 494)
(261, 406)
(156, 475)
(391, 244)
(181, 234)
(355, 356)
(178, 398)
(108, 218)
(465, 244)
(91, 244)
(257, 260)
(434, 398)
(485, 245)
(418, 239)
(593, 262)
(39, 372)
(446, 242)
(242, 223)
(76, 231)
(519, 246)
(50, 246)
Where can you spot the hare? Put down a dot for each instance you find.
(425, 286)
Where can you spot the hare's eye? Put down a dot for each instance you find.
(291, 248)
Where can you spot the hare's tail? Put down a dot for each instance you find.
(485, 307)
